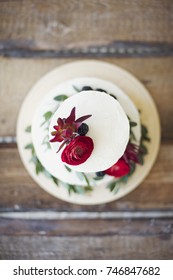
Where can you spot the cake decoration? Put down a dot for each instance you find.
(78, 150)
(72, 131)
(69, 128)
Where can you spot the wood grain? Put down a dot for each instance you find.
(52, 25)
(95, 239)
(87, 247)
(19, 192)
(19, 75)
(96, 227)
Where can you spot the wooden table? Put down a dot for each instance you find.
(35, 37)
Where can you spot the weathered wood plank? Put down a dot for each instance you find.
(94, 227)
(19, 192)
(66, 24)
(18, 76)
(87, 247)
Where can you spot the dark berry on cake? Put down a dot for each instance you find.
(83, 129)
(86, 88)
(100, 89)
(100, 174)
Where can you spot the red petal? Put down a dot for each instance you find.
(72, 116)
(56, 127)
(57, 138)
(81, 119)
(60, 122)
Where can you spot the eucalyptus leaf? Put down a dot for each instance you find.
(80, 189)
(112, 185)
(61, 97)
(116, 189)
(47, 174)
(76, 89)
(144, 149)
(55, 180)
(34, 159)
(67, 168)
(132, 124)
(86, 179)
(29, 146)
(39, 167)
(88, 188)
(80, 175)
(71, 189)
(98, 178)
(28, 128)
(47, 117)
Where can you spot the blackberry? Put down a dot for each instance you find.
(100, 89)
(86, 88)
(83, 129)
(100, 174)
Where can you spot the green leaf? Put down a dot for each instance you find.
(112, 185)
(88, 189)
(61, 97)
(116, 189)
(71, 189)
(143, 149)
(55, 180)
(144, 133)
(98, 178)
(46, 173)
(123, 179)
(146, 138)
(132, 124)
(47, 117)
(80, 175)
(39, 167)
(86, 179)
(67, 168)
(80, 189)
(76, 89)
(28, 128)
(132, 135)
(34, 159)
(29, 146)
(144, 130)
(48, 145)
(45, 139)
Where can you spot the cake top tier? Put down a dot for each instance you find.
(108, 128)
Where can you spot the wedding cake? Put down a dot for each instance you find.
(91, 132)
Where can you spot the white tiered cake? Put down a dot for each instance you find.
(111, 114)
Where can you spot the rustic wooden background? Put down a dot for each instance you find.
(35, 37)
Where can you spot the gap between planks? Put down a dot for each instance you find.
(8, 139)
(115, 49)
(53, 215)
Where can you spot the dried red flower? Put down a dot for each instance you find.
(67, 128)
(78, 150)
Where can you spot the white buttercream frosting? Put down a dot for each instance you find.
(108, 128)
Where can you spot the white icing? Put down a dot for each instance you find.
(108, 128)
